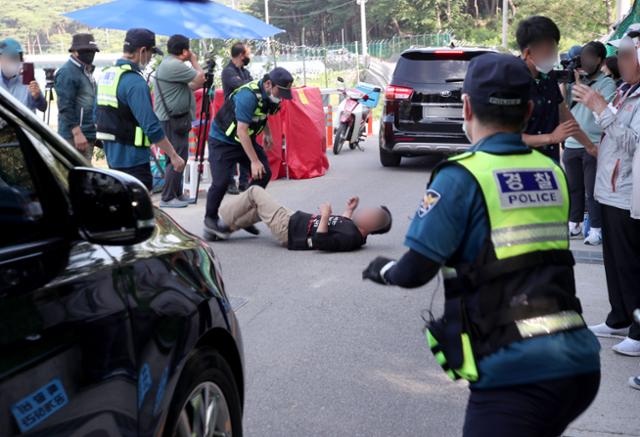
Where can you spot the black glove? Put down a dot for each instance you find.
(372, 272)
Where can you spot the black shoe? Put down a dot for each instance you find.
(252, 230)
(233, 190)
(213, 227)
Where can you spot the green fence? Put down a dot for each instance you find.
(387, 48)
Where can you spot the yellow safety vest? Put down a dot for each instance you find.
(107, 102)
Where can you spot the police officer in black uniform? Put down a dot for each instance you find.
(233, 76)
(232, 140)
(495, 221)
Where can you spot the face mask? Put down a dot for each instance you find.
(465, 129)
(546, 66)
(246, 61)
(87, 56)
(143, 65)
(11, 69)
(275, 99)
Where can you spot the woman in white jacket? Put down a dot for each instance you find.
(618, 191)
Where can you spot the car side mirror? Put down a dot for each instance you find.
(110, 207)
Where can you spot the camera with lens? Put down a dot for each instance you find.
(210, 59)
(569, 67)
(49, 75)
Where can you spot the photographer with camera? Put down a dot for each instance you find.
(11, 59)
(551, 122)
(76, 90)
(175, 106)
(580, 164)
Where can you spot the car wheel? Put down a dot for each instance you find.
(389, 159)
(339, 138)
(206, 402)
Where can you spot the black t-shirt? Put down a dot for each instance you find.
(343, 234)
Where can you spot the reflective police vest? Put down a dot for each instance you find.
(226, 116)
(521, 284)
(115, 121)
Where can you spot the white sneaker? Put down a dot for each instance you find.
(634, 382)
(628, 347)
(604, 330)
(594, 238)
(575, 230)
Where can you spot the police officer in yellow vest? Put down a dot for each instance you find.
(126, 123)
(232, 140)
(494, 220)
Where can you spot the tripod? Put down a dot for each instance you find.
(205, 119)
(49, 74)
(48, 97)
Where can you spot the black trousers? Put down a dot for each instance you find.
(543, 409)
(223, 159)
(581, 176)
(621, 253)
(173, 180)
(244, 173)
(141, 172)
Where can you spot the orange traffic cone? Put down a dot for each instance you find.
(329, 127)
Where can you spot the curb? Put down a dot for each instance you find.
(588, 256)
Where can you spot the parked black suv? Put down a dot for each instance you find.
(423, 108)
(113, 319)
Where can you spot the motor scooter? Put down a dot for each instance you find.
(353, 119)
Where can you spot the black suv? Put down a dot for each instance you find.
(423, 108)
(113, 319)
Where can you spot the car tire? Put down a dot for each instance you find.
(338, 139)
(207, 371)
(389, 159)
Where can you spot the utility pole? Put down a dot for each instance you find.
(505, 23)
(304, 59)
(266, 19)
(622, 7)
(363, 27)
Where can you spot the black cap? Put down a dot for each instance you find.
(283, 80)
(83, 41)
(137, 38)
(177, 43)
(498, 79)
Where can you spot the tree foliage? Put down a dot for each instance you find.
(471, 21)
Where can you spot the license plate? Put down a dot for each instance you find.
(442, 112)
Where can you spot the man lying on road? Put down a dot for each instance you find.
(300, 230)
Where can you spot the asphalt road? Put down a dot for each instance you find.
(330, 355)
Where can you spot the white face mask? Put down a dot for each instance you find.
(547, 65)
(275, 99)
(11, 69)
(465, 129)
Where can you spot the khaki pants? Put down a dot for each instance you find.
(253, 206)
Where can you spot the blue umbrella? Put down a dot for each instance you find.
(191, 18)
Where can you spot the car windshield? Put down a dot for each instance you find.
(421, 67)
